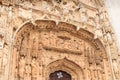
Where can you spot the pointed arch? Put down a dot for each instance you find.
(65, 65)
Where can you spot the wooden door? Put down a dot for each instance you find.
(60, 75)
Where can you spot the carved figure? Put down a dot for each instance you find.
(76, 15)
(22, 68)
(52, 39)
(109, 38)
(24, 44)
(98, 32)
(34, 43)
(34, 47)
(27, 72)
(35, 68)
(59, 42)
(5, 56)
(84, 16)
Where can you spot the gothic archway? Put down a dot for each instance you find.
(67, 66)
(39, 46)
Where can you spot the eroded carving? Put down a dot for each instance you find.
(35, 69)
(5, 56)
(21, 70)
(27, 72)
(47, 41)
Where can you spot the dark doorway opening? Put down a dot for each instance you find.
(60, 75)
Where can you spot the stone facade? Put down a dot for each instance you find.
(40, 37)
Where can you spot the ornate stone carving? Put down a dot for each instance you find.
(27, 72)
(34, 43)
(48, 40)
(39, 46)
(84, 16)
(5, 55)
(1, 42)
(35, 69)
(21, 68)
(98, 32)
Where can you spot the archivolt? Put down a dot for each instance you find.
(62, 26)
(62, 64)
(67, 66)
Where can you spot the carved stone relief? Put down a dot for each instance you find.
(40, 43)
(21, 68)
(37, 44)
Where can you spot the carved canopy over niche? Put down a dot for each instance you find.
(46, 37)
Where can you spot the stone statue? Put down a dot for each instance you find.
(98, 33)
(107, 27)
(22, 68)
(33, 47)
(5, 55)
(34, 68)
(52, 39)
(109, 38)
(99, 72)
(27, 72)
(34, 43)
(1, 42)
(76, 15)
(84, 16)
(24, 44)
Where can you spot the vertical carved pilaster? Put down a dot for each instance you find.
(115, 68)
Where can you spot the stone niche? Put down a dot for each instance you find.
(44, 47)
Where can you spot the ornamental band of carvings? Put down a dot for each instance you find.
(34, 42)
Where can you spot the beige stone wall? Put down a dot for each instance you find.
(88, 15)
